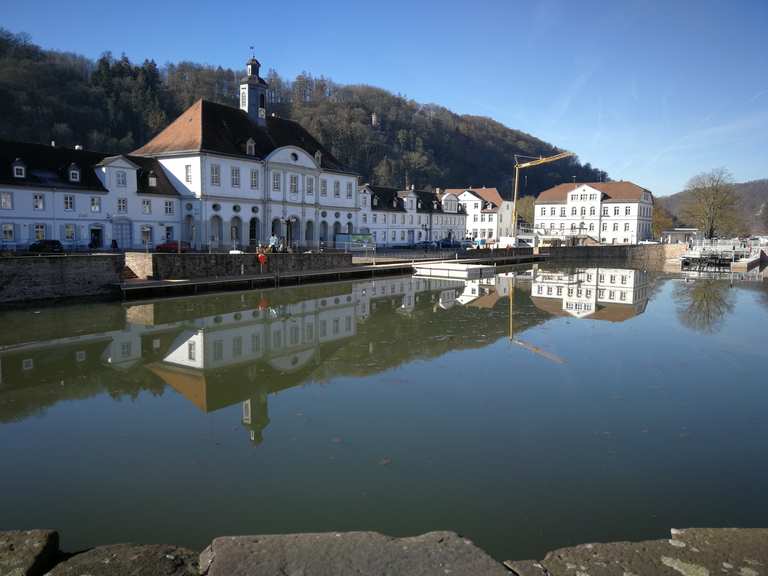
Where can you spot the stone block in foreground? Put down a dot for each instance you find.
(347, 554)
(690, 552)
(28, 552)
(130, 560)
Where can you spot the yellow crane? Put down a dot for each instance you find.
(530, 347)
(529, 164)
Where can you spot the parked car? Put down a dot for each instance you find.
(46, 247)
(426, 245)
(449, 243)
(172, 246)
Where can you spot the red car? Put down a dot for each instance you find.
(172, 246)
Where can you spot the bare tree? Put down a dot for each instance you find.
(703, 305)
(712, 203)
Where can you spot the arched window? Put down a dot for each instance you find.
(573, 211)
(250, 147)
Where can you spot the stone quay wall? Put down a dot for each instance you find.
(168, 266)
(34, 278)
(653, 254)
(691, 552)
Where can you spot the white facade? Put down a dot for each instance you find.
(80, 217)
(406, 217)
(235, 201)
(587, 211)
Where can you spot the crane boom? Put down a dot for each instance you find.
(518, 166)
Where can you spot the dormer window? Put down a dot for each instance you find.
(375, 201)
(122, 180)
(74, 173)
(250, 147)
(19, 169)
(152, 180)
(394, 203)
(318, 157)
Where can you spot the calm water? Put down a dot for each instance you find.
(613, 404)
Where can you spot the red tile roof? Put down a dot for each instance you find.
(488, 194)
(621, 191)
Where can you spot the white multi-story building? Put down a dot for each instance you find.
(489, 216)
(404, 217)
(614, 294)
(82, 198)
(245, 174)
(603, 212)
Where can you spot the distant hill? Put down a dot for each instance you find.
(114, 105)
(753, 205)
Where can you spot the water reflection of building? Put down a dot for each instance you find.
(222, 350)
(614, 294)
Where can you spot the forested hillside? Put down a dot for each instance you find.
(752, 206)
(114, 105)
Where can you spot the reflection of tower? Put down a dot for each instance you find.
(256, 416)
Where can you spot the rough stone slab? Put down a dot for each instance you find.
(347, 554)
(130, 560)
(691, 552)
(525, 568)
(28, 552)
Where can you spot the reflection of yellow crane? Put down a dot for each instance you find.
(530, 347)
(530, 164)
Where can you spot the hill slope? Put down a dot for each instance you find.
(753, 205)
(113, 105)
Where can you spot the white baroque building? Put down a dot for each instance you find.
(405, 217)
(245, 174)
(602, 212)
(217, 176)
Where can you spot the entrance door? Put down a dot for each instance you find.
(410, 237)
(121, 232)
(96, 238)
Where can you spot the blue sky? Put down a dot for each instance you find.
(651, 91)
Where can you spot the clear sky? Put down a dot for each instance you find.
(651, 91)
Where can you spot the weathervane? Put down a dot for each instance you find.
(253, 54)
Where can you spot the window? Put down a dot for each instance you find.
(69, 202)
(605, 226)
(615, 227)
(237, 346)
(169, 208)
(6, 200)
(188, 173)
(349, 189)
(95, 204)
(69, 232)
(293, 184)
(19, 172)
(38, 202)
(121, 179)
(627, 210)
(39, 231)
(8, 235)
(310, 184)
(592, 211)
(591, 226)
(615, 210)
(394, 235)
(365, 218)
(218, 350)
(374, 218)
(235, 176)
(324, 190)
(543, 211)
(191, 351)
(146, 206)
(276, 181)
(583, 211)
(250, 146)
(254, 179)
(573, 211)
(552, 211)
(605, 210)
(215, 175)
(74, 175)
(626, 227)
(475, 217)
(336, 189)
(122, 205)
